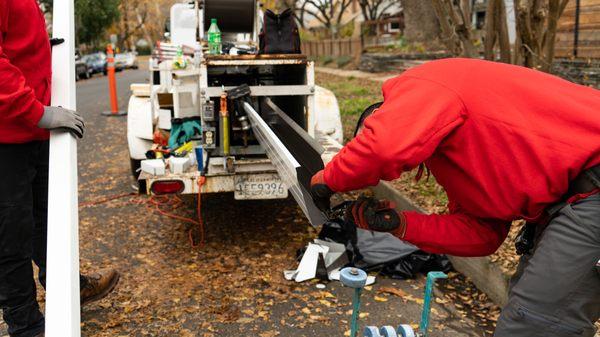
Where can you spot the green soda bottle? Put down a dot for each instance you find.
(214, 38)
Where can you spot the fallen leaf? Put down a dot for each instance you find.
(380, 299)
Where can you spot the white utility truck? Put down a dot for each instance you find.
(266, 147)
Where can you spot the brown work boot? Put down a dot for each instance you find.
(97, 286)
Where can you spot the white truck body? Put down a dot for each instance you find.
(183, 93)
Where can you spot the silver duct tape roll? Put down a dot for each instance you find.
(233, 16)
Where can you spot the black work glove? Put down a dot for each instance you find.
(376, 215)
(320, 192)
(56, 41)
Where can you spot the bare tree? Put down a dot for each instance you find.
(496, 30)
(455, 22)
(536, 25)
(537, 21)
(421, 23)
(127, 27)
(141, 19)
(298, 6)
(328, 12)
(373, 10)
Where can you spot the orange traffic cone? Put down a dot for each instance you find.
(112, 84)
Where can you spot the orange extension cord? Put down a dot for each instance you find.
(166, 205)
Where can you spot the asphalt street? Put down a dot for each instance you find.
(234, 285)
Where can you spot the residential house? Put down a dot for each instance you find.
(354, 24)
(579, 30)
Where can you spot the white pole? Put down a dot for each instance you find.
(62, 281)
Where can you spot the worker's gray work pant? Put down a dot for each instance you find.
(556, 290)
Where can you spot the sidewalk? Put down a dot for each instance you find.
(375, 77)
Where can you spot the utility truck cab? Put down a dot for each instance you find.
(229, 153)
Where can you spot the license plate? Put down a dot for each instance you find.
(259, 186)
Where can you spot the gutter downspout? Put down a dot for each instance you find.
(62, 291)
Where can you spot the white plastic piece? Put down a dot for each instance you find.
(154, 166)
(164, 119)
(138, 147)
(290, 274)
(336, 255)
(184, 21)
(139, 122)
(62, 280)
(179, 165)
(140, 89)
(139, 117)
(308, 265)
(185, 97)
(327, 114)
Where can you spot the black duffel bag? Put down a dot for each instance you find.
(279, 34)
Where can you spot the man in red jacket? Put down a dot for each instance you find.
(25, 118)
(506, 143)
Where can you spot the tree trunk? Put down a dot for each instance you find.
(503, 39)
(421, 22)
(490, 31)
(555, 11)
(496, 30)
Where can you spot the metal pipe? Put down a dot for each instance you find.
(225, 137)
(576, 30)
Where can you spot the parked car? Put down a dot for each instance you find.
(96, 63)
(127, 60)
(81, 69)
(120, 62)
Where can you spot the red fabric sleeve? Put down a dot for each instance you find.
(17, 99)
(415, 117)
(456, 234)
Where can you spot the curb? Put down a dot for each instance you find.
(487, 276)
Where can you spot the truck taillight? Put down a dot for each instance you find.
(167, 187)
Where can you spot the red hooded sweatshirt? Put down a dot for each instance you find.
(25, 71)
(504, 142)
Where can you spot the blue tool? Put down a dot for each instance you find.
(357, 279)
(406, 330)
(199, 158)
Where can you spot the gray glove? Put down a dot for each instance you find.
(57, 118)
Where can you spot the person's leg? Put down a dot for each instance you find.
(40, 211)
(93, 287)
(17, 287)
(558, 291)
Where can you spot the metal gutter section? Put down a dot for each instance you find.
(301, 145)
(266, 90)
(289, 168)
